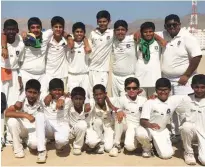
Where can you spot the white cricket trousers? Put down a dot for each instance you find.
(75, 80)
(161, 140)
(51, 128)
(118, 84)
(98, 132)
(188, 134)
(78, 132)
(130, 142)
(11, 89)
(97, 77)
(21, 129)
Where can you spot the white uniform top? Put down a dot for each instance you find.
(178, 52)
(101, 45)
(77, 59)
(33, 110)
(60, 115)
(149, 73)
(56, 62)
(15, 51)
(132, 108)
(160, 112)
(195, 112)
(34, 58)
(105, 116)
(124, 56)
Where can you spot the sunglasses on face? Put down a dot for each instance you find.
(173, 24)
(133, 88)
(35, 27)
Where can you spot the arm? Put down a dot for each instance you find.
(161, 41)
(87, 47)
(4, 46)
(146, 124)
(110, 105)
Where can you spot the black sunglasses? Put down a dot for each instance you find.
(173, 24)
(133, 88)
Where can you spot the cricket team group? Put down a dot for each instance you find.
(55, 82)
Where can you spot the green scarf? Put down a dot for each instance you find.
(144, 48)
(38, 43)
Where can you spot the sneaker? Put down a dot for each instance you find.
(20, 154)
(100, 149)
(42, 157)
(114, 151)
(77, 151)
(146, 154)
(189, 159)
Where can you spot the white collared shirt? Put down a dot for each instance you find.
(56, 61)
(124, 56)
(101, 45)
(177, 53)
(77, 59)
(34, 58)
(149, 72)
(15, 51)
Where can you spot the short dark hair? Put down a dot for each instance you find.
(146, 25)
(198, 79)
(130, 80)
(10, 22)
(78, 25)
(122, 23)
(103, 14)
(163, 82)
(77, 91)
(57, 20)
(100, 87)
(172, 17)
(56, 83)
(33, 84)
(34, 20)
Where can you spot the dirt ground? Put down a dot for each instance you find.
(91, 159)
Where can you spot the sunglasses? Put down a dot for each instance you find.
(173, 24)
(133, 88)
(33, 27)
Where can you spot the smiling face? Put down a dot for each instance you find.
(120, 33)
(99, 96)
(58, 30)
(199, 90)
(56, 93)
(32, 95)
(78, 34)
(103, 24)
(35, 29)
(173, 27)
(132, 90)
(163, 93)
(147, 34)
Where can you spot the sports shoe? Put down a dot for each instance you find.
(42, 155)
(115, 150)
(146, 154)
(20, 154)
(189, 159)
(100, 149)
(77, 151)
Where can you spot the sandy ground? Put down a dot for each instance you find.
(91, 159)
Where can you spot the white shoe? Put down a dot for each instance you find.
(114, 151)
(146, 154)
(100, 149)
(189, 159)
(42, 157)
(20, 154)
(77, 151)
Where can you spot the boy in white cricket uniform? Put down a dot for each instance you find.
(100, 132)
(128, 116)
(15, 47)
(101, 43)
(124, 57)
(56, 61)
(56, 121)
(194, 125)
(33, 66)
(154, 118)
(148, 68)
(21, 122)
(78, 60)
(180, 59)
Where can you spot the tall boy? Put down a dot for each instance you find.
(21, 122)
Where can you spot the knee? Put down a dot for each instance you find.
(32, 144)
(82, 125)
(92, 138)
(141, 133)
(12, 123)
(186, 128)
(92, 143)
(166, 155)
(202, 159)
(98, 123)
(130, 147)
(108, 147)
